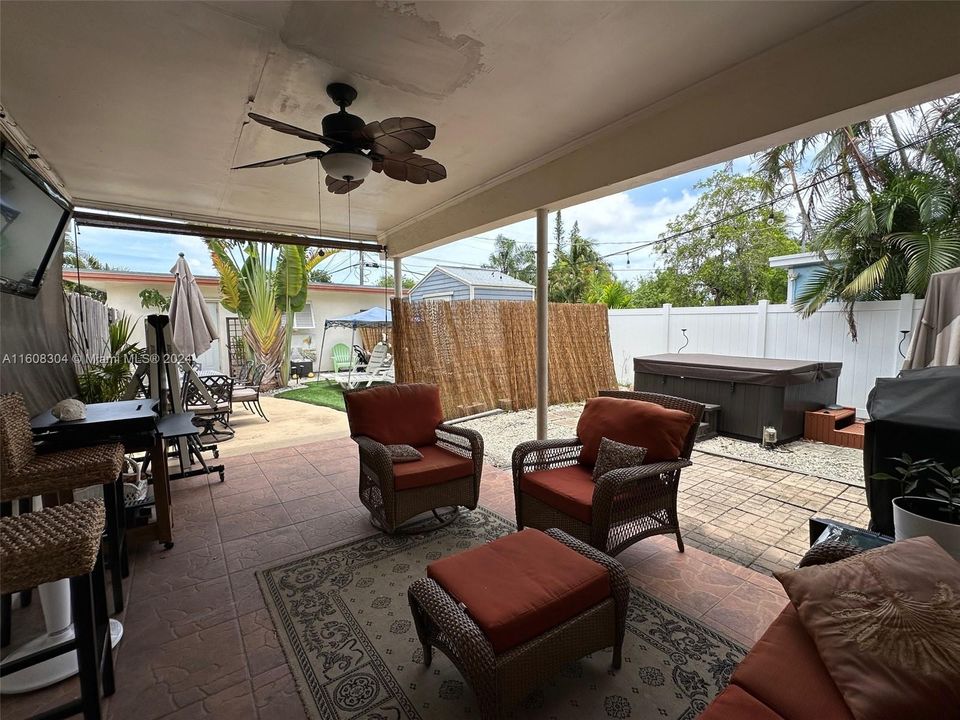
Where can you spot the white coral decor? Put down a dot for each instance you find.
(69, 410)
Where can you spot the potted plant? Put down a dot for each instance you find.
(936, 514)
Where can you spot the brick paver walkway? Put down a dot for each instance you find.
(757, 516)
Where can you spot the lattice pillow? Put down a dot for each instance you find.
(403, 453)
(614, 455)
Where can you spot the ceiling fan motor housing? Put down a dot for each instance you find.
(342, 126)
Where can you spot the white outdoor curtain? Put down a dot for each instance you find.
(936, 339)
(193, 329)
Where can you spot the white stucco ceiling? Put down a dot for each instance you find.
(143, 104)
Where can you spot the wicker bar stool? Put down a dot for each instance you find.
(54, 544)
(27, 474)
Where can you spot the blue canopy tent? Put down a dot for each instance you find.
(372, 317)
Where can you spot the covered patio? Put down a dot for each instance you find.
(138, 111)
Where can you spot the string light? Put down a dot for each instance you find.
(772, 202)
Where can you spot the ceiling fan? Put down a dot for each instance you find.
(356, 148)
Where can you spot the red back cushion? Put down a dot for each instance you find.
(396, 414)
(634, 422)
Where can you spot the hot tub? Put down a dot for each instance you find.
(751, 392)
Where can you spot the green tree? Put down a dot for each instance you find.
(720, 249)
(514, 259)
(667, 286)
(153, 298)
(84, 260)
(558, 232)
(576, 268)
(386, 281)
(265, 284)
(884, 203)
(320, 275)
(615, 294)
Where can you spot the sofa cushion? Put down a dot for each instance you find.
(786, 651)
(735, 703)
(644, 424)
(437, 466)
(886, 624)
(568, 489)
(521, 585)
(396, 414)
(613, 455)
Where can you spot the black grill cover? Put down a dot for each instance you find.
(917, 414)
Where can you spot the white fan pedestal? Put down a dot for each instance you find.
(55, 601)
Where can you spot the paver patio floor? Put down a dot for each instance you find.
(198, 641)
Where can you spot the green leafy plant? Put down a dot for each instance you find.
(106, 380)
(153, 298)
(909, 473)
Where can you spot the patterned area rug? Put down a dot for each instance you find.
(344, 623)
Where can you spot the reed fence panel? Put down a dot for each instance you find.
(482, 353)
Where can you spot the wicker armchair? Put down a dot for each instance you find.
(628, 504)
(447, 476)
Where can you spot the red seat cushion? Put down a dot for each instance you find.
(396, 414)
(437, 466)
(568, 489)
(786, 651)
(660, 430)
(521, 585)
(735, 703)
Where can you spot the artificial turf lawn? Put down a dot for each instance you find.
(318, 393)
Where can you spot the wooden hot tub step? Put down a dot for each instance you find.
(834, 427)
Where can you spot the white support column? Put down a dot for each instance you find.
(397, 278)
(761, 347)
(543, 377)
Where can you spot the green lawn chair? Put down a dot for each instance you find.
(342, 357)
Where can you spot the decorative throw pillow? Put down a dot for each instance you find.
(660, 430)
(404, 453)
(613, 455)
(886, 624)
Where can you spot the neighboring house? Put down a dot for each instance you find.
(323, 301)
(447, 282)
(800, 267)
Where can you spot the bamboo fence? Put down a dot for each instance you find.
(482, 353)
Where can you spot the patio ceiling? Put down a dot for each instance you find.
(142, 106)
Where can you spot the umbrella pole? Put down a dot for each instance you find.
(323, 339)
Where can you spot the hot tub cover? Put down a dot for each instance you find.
(728, 368)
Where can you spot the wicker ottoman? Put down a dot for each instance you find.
(512, 613)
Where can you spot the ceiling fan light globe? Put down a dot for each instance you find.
(343, 164)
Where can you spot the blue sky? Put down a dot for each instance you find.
(615, 222)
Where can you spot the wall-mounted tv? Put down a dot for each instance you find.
(33, 215)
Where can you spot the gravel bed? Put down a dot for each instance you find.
(803, 456)
(501, 434)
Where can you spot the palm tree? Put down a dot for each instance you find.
(615, 294)
(513, 259)
(265, 284)
(575, 268)
(881, 203)
(891, 236)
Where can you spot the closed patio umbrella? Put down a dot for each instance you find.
(193, 329)
(936, 338)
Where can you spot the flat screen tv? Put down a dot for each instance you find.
(33, 215)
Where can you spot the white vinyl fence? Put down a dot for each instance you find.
(774, 331)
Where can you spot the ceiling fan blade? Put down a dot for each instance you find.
(413, 168)
(291, 129)
(399, 135)
(286, 160)
(342, 187)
